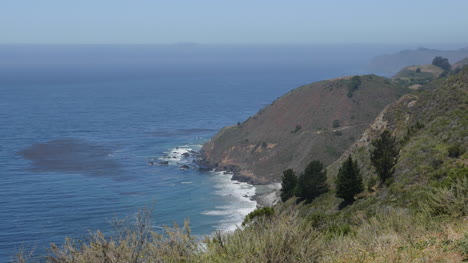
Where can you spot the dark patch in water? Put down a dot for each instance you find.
(179, 132)
(71, 156)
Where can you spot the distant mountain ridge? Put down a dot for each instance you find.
(392, 63)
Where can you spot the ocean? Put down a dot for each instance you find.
(83, 128)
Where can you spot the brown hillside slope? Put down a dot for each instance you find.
(298, 128)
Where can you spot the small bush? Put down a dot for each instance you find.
(257, 213)
(455, 151)
(389, 181)
(338, 230)
(317, 220)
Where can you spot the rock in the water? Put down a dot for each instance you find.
(163, 163)
(150, 163)
(186, 155)
(184, 167)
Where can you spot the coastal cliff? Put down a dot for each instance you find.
(316, 121)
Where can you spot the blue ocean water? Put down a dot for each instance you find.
(80, 124)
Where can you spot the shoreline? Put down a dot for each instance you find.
(266, 193)
(269, 194)
(248, 194)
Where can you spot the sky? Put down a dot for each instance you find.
(233, 22)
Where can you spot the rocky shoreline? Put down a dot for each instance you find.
(204, 165)
(266, 193)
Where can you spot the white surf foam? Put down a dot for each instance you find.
(180, 155)
(238, 196)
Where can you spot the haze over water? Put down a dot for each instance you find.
(79, 125)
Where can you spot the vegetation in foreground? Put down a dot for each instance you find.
(293, 234)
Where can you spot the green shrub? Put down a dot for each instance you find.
(338, 230)
(455, 151)
(389, 181)
(463, 245)
(317, 220)
(264, 212)
(446, 201)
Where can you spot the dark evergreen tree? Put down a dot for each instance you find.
(353, 85)
(313, 182)
(384, 156)
(442, 63)
(288, 184)
(349, 180)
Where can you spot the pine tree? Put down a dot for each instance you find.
(313, 182)
(384, 156)
(288, 184)
(349, 180)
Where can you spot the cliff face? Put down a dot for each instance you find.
(313, 122)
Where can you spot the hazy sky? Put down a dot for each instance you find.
(235, 21)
